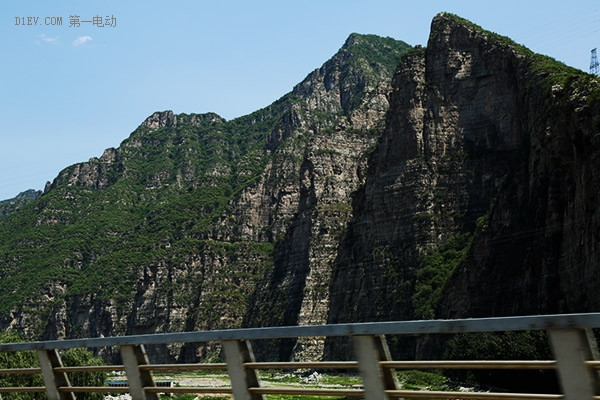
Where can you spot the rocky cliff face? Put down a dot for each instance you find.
(454, 126)
(306, 198)
(478, 199)
(535, 251)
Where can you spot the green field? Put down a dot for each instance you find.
(408, 380)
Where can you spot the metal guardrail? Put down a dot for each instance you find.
(570, 336)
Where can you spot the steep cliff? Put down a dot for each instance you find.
(535, 250)
(480, 198)
(328, 160)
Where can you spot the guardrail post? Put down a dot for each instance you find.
(390, 380)
(572, 347)
(369, 351)
(238, 352)
(49, 359)
(134, 356)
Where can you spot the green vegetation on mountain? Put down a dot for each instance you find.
(436, 268)
(161, 201)
(379, 54)
(21, 200)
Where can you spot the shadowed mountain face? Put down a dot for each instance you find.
(481, 196)
(454, 180)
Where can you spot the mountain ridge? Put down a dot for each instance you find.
(9, 206)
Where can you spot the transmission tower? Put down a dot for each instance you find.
(594, 65)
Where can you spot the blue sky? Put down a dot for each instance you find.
(68, 93)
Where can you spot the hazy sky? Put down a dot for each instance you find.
(68, 92)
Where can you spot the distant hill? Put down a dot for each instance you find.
(18, 202)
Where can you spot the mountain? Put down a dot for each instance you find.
(456, 180)
(182, 226)
(18, 202)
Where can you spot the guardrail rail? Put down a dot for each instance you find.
(570, 335)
